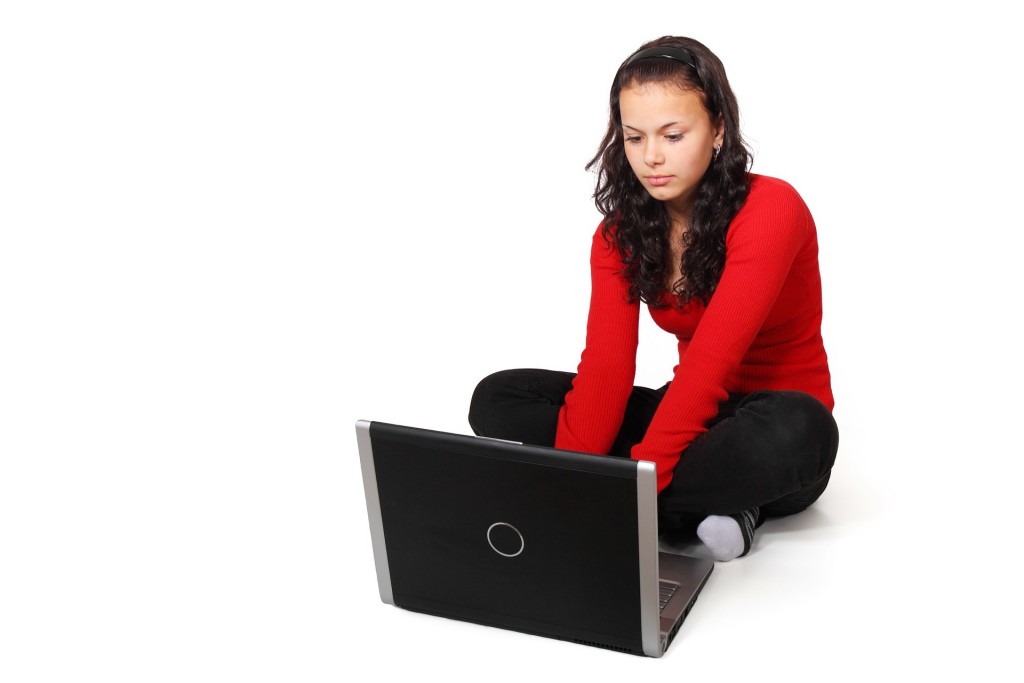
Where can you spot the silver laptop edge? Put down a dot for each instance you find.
(647, 530)
(380, 551)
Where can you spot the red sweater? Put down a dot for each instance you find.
(761, 330)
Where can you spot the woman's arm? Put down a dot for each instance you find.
(762, 243)
(593, 411)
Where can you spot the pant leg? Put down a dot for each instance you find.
(775, 451)
(769, 449)
(519, 405)
(523, 405)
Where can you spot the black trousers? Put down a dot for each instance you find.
(769, 449)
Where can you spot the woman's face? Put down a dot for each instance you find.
(669, 140)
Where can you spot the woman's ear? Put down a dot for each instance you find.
(720, 132)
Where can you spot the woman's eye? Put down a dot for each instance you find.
(674, 137)
(633, 139)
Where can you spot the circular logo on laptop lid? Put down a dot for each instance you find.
(505, 539)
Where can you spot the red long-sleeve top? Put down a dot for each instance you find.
(760, 330)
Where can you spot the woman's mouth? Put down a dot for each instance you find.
(658, 179)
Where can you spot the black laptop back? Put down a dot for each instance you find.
(520, 537)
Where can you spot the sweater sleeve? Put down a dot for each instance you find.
(761, 246)
(594, 407)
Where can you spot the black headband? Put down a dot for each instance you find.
(676, 53)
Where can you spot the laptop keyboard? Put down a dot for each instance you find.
(665, 591)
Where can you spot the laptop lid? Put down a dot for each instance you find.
(520, 537)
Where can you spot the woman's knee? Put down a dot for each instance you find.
(802, 430)
(798, 501)
(492, 384)
(486, 394)
(505, 402)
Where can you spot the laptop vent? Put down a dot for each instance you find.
(676, 627)
(675, 630)
(602, 645)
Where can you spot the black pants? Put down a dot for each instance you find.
(768, 449)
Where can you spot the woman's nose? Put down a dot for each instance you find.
(652, 154)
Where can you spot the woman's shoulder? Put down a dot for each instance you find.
(602, 245)
(773, 196)
(773, 206)
(767, 189)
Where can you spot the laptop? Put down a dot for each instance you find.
(527, 538)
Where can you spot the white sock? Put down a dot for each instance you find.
(728, 536)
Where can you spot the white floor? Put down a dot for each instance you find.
(859, 586)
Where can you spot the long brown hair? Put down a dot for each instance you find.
(639, 225)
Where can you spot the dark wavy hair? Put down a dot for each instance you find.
(641, 223)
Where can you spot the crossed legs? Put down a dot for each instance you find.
(768, 451)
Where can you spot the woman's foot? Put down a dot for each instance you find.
(729, 536)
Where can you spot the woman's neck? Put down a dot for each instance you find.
(680, 224)
(679, 209)
(680, 219)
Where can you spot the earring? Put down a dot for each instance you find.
(717, 150)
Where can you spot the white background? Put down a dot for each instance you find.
(228, 230)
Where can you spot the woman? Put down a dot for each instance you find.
(728, 262)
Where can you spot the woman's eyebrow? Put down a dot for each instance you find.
(667, 125)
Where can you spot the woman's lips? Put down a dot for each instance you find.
(658, 179)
